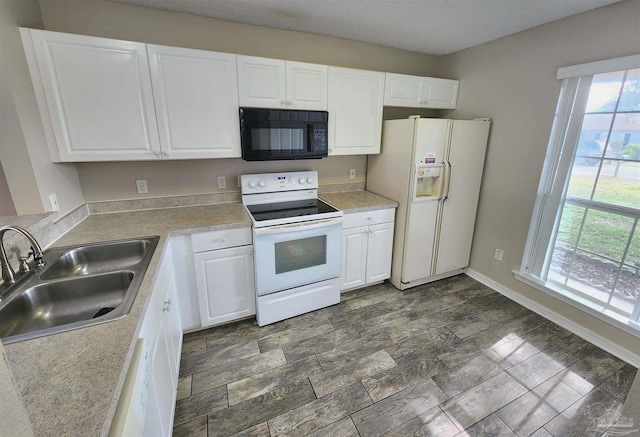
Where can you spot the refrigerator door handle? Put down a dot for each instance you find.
(447, 180)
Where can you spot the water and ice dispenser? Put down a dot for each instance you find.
(428, 182)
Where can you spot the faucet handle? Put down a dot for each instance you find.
(24, 265)
(37, 258)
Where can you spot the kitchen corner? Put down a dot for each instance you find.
(71, 382)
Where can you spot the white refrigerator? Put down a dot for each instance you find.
(433, 169)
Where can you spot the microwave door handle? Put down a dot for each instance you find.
(309, 137)
(302, 226)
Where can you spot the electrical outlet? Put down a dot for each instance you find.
(352, 173)
(222, 182)
(54, 202)
(499, 254)
(141, 186)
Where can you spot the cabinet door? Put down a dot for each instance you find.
(225, 284)
(440, 93)
(196, 102)
(306, 86)
(379, 247)
(355, 111)
(98, 94)
(403, 90)
(162, 332)
(354, 257)
(261, 82)
(163, 384)
(173, 323)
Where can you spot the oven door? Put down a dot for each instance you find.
(292, 255)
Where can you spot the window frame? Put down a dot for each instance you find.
(554, 183)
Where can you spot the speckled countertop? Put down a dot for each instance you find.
(70, 382)
(24, 221)
(358, 201)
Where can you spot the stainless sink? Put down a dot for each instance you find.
(92, 259)
(79, 286)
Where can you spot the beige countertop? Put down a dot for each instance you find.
(358, 201)
(70, 382)
(24, 221)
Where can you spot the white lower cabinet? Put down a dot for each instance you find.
(367, 242)
(163, 384)
(149, 396)
(224, 275)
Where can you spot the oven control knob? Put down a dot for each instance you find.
(261, 183)
(301, 180)
(309, 180)
(252, 184)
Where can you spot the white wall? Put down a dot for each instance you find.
(31, 175)
(13, 150)
(513, 81)
(7, 207)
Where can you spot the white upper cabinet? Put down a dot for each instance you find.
(196, 102)
(355, 111)
(420, 92)
(274, 83)
(102, 99)
(440, 93)
(306, 86)
(98, 95)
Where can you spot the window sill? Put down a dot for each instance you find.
(588, 307)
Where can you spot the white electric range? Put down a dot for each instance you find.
(297, 241)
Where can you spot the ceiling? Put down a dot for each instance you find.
(436, 27)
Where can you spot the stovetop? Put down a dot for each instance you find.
(283, 198)
(293, 209)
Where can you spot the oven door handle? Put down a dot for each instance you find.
(313, 224)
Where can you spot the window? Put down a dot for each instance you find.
(584, 239)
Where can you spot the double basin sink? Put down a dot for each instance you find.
(79, 286)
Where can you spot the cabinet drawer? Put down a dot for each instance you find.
(213, 240)
(368, 217)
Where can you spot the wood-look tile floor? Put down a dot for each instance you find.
(450, 358)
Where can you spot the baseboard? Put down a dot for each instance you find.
(556, 318)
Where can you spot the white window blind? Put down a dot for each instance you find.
(583, 244)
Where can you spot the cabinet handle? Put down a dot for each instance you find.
(157, 154)
(283, 102)
(167, 306)
(369, 218)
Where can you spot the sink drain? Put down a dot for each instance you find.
(103, 311)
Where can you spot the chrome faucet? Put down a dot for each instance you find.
(8, 274)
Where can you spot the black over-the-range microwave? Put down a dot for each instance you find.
(271, 134)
